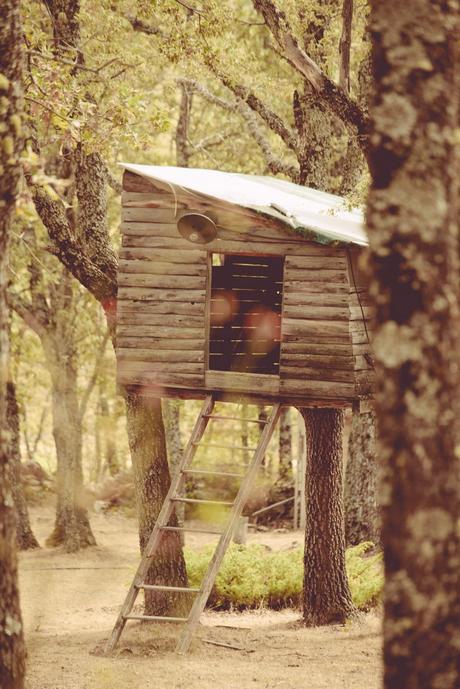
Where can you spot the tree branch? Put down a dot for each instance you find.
(273, 162)
(338, 102)
(68, 250)
(26, 311)
(345, 45)
(183, 125)
(92, 381)
(141, 26)
(271, 119)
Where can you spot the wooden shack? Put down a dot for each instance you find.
(240, 286)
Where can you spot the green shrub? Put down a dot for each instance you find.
(252, 577)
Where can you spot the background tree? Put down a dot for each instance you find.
(80, 234)
(25, 537)
(12, 651)
(326, 594)
(413, 223)
(362, 516)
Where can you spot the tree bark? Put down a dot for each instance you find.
(152, 480)
(285, 446)
(174, 446)
(25, 537)
(12, 651)
(89, 256)
(326, 595)
(72, 528)
(413, 224)
(362, 517)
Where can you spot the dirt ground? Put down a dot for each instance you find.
(70, 603)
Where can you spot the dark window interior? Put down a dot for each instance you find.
(245, 317)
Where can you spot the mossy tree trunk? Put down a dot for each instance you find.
(413, 223)
(326, 594)
(12, 650)
(362, 516)
(25, 537)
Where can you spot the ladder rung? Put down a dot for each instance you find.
(191, 529)
(208, 472)
(203, 502)
(157, 587)
(234, 418)
(155, 617)
(227, 447)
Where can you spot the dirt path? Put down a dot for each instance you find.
(70, 603)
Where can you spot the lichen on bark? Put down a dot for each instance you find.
(413, 224)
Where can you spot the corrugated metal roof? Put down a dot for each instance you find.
(305, 210)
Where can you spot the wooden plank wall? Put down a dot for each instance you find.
(316, 348)
(161, 296)
(163, 287)
(361, 323)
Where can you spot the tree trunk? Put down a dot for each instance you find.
(413, 223)
(262, 416)
(25, 537)
(151, 475)
(285, 446)
(72, 528)
(12, 651)
(106, 429)
(362, 518)
(174, 446)
(326, 595)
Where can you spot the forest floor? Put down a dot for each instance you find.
(70, 602)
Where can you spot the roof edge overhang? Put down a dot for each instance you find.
(318, 216)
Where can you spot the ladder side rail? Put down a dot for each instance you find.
(162, 520)
(213, 568)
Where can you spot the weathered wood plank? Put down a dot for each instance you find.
(171, 255)
(166, 307)
(318, 275)
(133, 182)
(297, 292)
(356, 312)
(159, 343)
(147, 294)
(229, 380)
(320, 262)
(170, 320)
(365, 382)
(127, 365)
(291, 326)
(220, 246)
(314, 312)
(313, 373)
(157, 379)
(297, 345)
(317, 388)
(160, 331)
(154, 267)
(160, 355)
(342, 362)
(146, 220)
(359, 337)
(182, 282)
(361, 363)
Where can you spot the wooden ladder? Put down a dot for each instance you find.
(162, 524)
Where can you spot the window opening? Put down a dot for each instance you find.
(245, 313)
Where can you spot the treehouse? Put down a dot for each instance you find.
(240, 286)
(233, 287)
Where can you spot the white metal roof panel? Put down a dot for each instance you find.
(303, 209)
